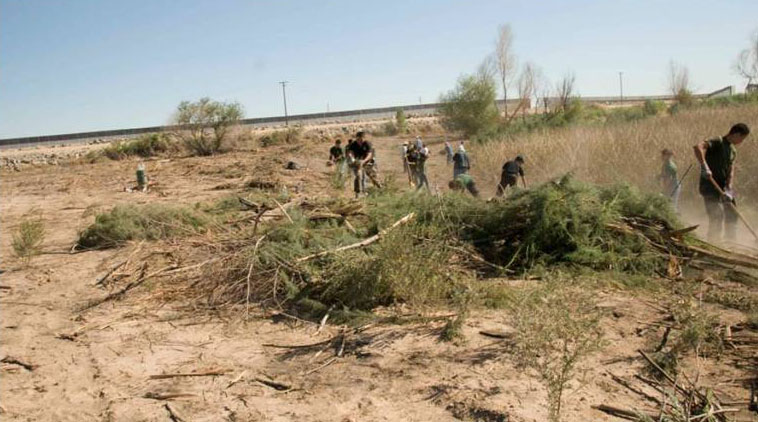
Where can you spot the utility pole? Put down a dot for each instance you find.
(284, 95)
(621, 86)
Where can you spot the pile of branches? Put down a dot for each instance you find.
(329, 250)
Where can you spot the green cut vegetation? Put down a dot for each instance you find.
(435, 257)
(151, 222)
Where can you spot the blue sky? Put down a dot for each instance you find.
(80, 65)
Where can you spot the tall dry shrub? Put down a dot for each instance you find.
(624, 151)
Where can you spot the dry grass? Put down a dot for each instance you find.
(624, 152)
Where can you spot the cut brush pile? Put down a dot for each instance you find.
(425, 250)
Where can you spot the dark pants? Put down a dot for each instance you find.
(720, 215)
(506, 179)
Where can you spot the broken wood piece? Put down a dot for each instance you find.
(168, 396)
(681, 232)
(173, 414)
(297, 346)
(237, 379)
(623, 413)
(320, 367)
(101, 280)
(191, 374)
(496, 334)
(360, 244)
(4, 287)
(273, 384)
(14, 361)
(249, 204)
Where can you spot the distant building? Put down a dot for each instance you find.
(751, 88)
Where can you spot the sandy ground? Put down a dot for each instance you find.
(97, 364)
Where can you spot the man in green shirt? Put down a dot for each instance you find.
(464, 181)
(668, 177)
(716, 158)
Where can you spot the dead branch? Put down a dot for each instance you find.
(237, 379)
(168, 396)
(172, 413)
(362, 243)
(298, 346)
(633, 389)
(126, 288)
(623, 413)
(210, 373)
(496, 334)
(101, 280)
(320, 367)
(273, 384)
(14, 361)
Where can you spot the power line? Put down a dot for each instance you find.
(284, 96)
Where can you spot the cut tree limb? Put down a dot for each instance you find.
(362, 243)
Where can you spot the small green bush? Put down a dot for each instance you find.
(27, 241)
(555, 328)
(151, 222)
(653, 107)
(144, 146)
(292, 135)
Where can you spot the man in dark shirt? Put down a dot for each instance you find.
(461, 164)
(511, 172)
(360, 153)
(716, 158)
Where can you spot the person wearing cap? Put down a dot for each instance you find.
(360, 154)
(511, 172)
(464, 182)
(668, 177)
(716, 157)
(461, 163)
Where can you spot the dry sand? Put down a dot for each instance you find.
(401, 373)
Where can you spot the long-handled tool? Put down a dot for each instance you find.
(680, 181)
(734, 207)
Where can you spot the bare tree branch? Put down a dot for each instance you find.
(505, 59)
(747, 62)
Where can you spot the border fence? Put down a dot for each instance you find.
(414, 110)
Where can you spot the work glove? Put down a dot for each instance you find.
(728, 196)
(705, 172)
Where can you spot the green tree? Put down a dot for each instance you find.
(400, 121)
(207, 123)
(470, 107)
